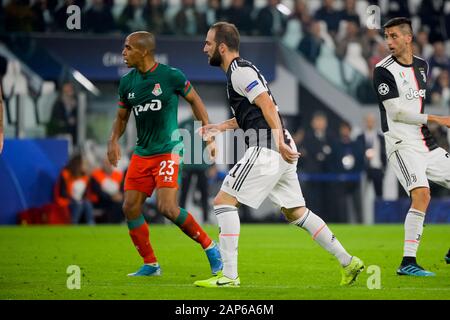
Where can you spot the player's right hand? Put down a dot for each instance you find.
(289, 155)
(113, 152)
(209, 131)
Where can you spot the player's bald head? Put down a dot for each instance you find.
(143, 40)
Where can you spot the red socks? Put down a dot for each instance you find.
(140, 235)
(190, 227)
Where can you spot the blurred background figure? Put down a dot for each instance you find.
(213, 12)
(316, 160)
(312, 42)
(105, 191)
(348, 156)
(195, 170)
(155, 15)
(132, 17)
(99, 18)
(270, 21)
(64, 116)
(373, 146)
(328, 13)
(71, 190)
(240, 15)
(188, 20)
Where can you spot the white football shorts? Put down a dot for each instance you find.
(414, 169)
(263, 173)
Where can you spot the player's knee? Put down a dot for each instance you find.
(170, 211)
(217, 200)
(293, 213)
(421, 196)
(130, 209)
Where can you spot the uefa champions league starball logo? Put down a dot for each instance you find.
(383, 89)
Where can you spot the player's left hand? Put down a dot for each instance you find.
(288, 154)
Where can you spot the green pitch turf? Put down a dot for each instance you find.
(275, 262)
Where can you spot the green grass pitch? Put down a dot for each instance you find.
(277, 262)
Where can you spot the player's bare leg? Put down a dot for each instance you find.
(168, 206)
(420, 199)
(226, 211)
(139, 233)
(318, 229)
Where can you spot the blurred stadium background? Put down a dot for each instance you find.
(60, 98)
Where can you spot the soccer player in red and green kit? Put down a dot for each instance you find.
(150, 91)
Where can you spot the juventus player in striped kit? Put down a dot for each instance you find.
(268, 167)
(400, 82)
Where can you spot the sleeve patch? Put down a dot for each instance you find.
(251, 86)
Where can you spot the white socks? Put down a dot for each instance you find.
(229, 226)
(323, 236)
(413, 232)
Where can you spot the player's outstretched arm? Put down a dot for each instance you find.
(399, 114)
(210, 130)
(119, 126)
(440, 120)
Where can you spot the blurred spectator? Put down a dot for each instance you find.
(330, 16)
(70, 190)
(99, 18)
(439, 61)
(270, 21)
(64, 115)
(240, 16)
(18, 16)
(397, 8)
(348, 158)
(373, 145)
(316, 160)
(364, 91)
(155, 15)
(132, 19)
(195, 167)
(312, 42)
(431, 14)
(349, 12)
(297, 24)
(440, 92)
(105, 192)
(42, 16)
(425, 48)
(350, 48)
(214, 12)
(189, 21)
(301, 13)
(373, 46)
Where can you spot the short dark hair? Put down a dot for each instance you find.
(228, 34)
(399, 21)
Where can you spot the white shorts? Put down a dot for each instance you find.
(414, 169)
(263, 173)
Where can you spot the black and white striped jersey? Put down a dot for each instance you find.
(407, 84)
(244, 83)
